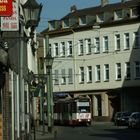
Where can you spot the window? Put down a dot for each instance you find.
(51, 25)
(88, 46)
(70, 76)
(82, 20)
(106, 72)
(136, 41)
(69, 48)
(137, 69)
(97, 73)
(89, 74)
(100, 18)
(56, 77)
(56, 50)
(62, 49)
(134, 12)
(118, 14)
(97, 45)
(50, 48)
(105, 44)
(117, 42)
(65, 23)
(126, 41)
(81, 73)
(118, 71)
(127, 70)
(63, 79)
(81, 47)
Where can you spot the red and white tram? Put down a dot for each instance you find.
(73, 111)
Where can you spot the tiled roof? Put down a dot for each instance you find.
(98, 9)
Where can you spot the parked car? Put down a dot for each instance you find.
(121, 118)
(134, 120)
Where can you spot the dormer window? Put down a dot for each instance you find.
(100, 17)
(65, 23)
(118, 15)
(134, 12)
(51, 25)
(82, 20)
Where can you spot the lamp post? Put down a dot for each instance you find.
(49, 62)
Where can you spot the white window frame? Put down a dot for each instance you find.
(117, 15)
(105, 44)
(100, 17)
(97, 73)
(127, 70)
(117, 42)
(81, 75)
(118, 71)
(63, 77)
(81, 47)
(89, 74)
(56, 50)
(69, 48)
(65, 23)
(88, 45)
(126, 41)
(62, 49)
(106, 72)
(50, 49)
(132, 13)
(97, 44)
(82, 20)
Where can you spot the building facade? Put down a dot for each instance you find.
(97, 54)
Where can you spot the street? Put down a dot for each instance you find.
(98, 131)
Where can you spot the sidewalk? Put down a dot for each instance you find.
(40, 134)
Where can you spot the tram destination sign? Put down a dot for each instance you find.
(6, 7)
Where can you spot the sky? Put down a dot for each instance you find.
(56, 9)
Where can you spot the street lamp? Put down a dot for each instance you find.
(49, 62)
(32, 11)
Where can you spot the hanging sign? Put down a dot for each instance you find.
(11, 23)
(6, 7)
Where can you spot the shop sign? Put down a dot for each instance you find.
(11, 23)
(6, 7)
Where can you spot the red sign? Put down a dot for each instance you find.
(6, 7)
(11, 23)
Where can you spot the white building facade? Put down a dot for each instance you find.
(97, 54)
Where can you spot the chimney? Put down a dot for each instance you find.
(73, 8)
(104, 2)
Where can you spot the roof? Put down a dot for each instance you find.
(91, 11)
(99, 9)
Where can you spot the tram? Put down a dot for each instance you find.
(73, 111)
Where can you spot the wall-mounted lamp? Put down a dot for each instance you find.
(32, 11)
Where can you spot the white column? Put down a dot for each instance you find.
(13, 106)
(18, 108)
(28, 109)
